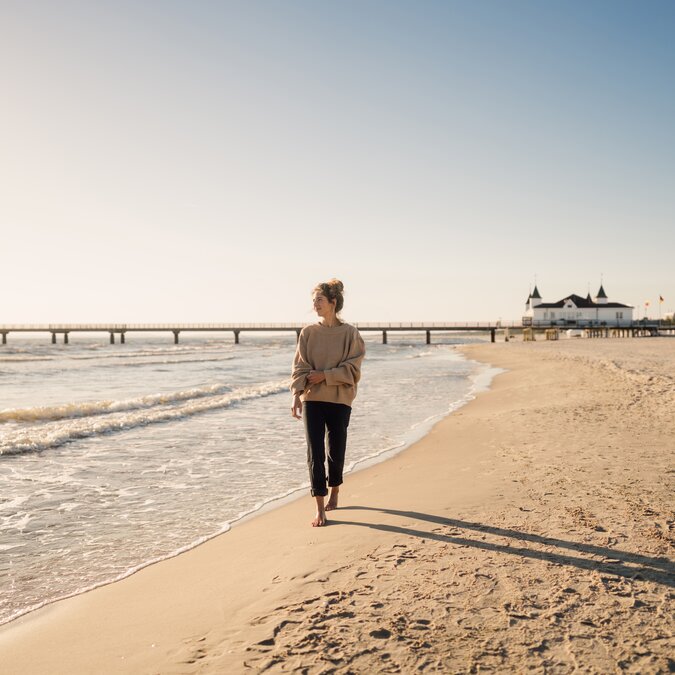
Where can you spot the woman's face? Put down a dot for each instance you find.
(322, 305)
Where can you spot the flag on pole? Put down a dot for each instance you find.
(646, 303)
(660, 298)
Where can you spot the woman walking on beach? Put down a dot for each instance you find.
(326, 371)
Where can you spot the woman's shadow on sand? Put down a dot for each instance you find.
(618, 563)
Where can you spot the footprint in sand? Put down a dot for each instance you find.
(380, 634)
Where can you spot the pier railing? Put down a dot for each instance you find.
(159, 327)
(427, 327)
(121, 329)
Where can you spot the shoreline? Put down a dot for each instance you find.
(480, 381)
(480, 491)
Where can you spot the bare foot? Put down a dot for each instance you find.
(333, 499)
(320, 519)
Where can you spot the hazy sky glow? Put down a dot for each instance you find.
(212, 161)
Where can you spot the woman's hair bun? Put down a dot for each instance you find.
(337, 285)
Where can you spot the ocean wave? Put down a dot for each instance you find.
(25, 359)
(53, 434)
(142, 353)
(165, 362)
(91, 408)
(421, 355)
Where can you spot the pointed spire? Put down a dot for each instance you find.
(601, 292)
(535, 293)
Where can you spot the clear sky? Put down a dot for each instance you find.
(212, 161)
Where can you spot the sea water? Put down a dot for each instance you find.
(116, 456)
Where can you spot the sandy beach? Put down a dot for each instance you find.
(533, 529)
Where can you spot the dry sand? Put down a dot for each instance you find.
(531, 530)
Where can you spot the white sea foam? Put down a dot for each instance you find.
(100, 352)
(54, 434)
(420, 355)
(164, 362)
(141, 354)
(24, 359)
(88, 409)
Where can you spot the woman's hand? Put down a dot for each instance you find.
(296, 408)
(316, 376)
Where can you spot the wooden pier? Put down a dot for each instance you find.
(117, 332)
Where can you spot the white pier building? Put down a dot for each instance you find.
(575, 310)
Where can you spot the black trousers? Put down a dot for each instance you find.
(323, 419)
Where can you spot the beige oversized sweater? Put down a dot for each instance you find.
(337, 351)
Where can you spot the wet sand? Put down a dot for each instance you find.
(531, 530)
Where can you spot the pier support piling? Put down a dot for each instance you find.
(122, 340)
(236, 337)
(492, 335)
(112, 338)
(176, 333)
(384, 337)
(428, 337)
(4, 338)
(65, 338)
(53, 338)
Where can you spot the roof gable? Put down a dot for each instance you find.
(580, 303)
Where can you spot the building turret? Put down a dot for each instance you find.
(601, 297)
(535, 298)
